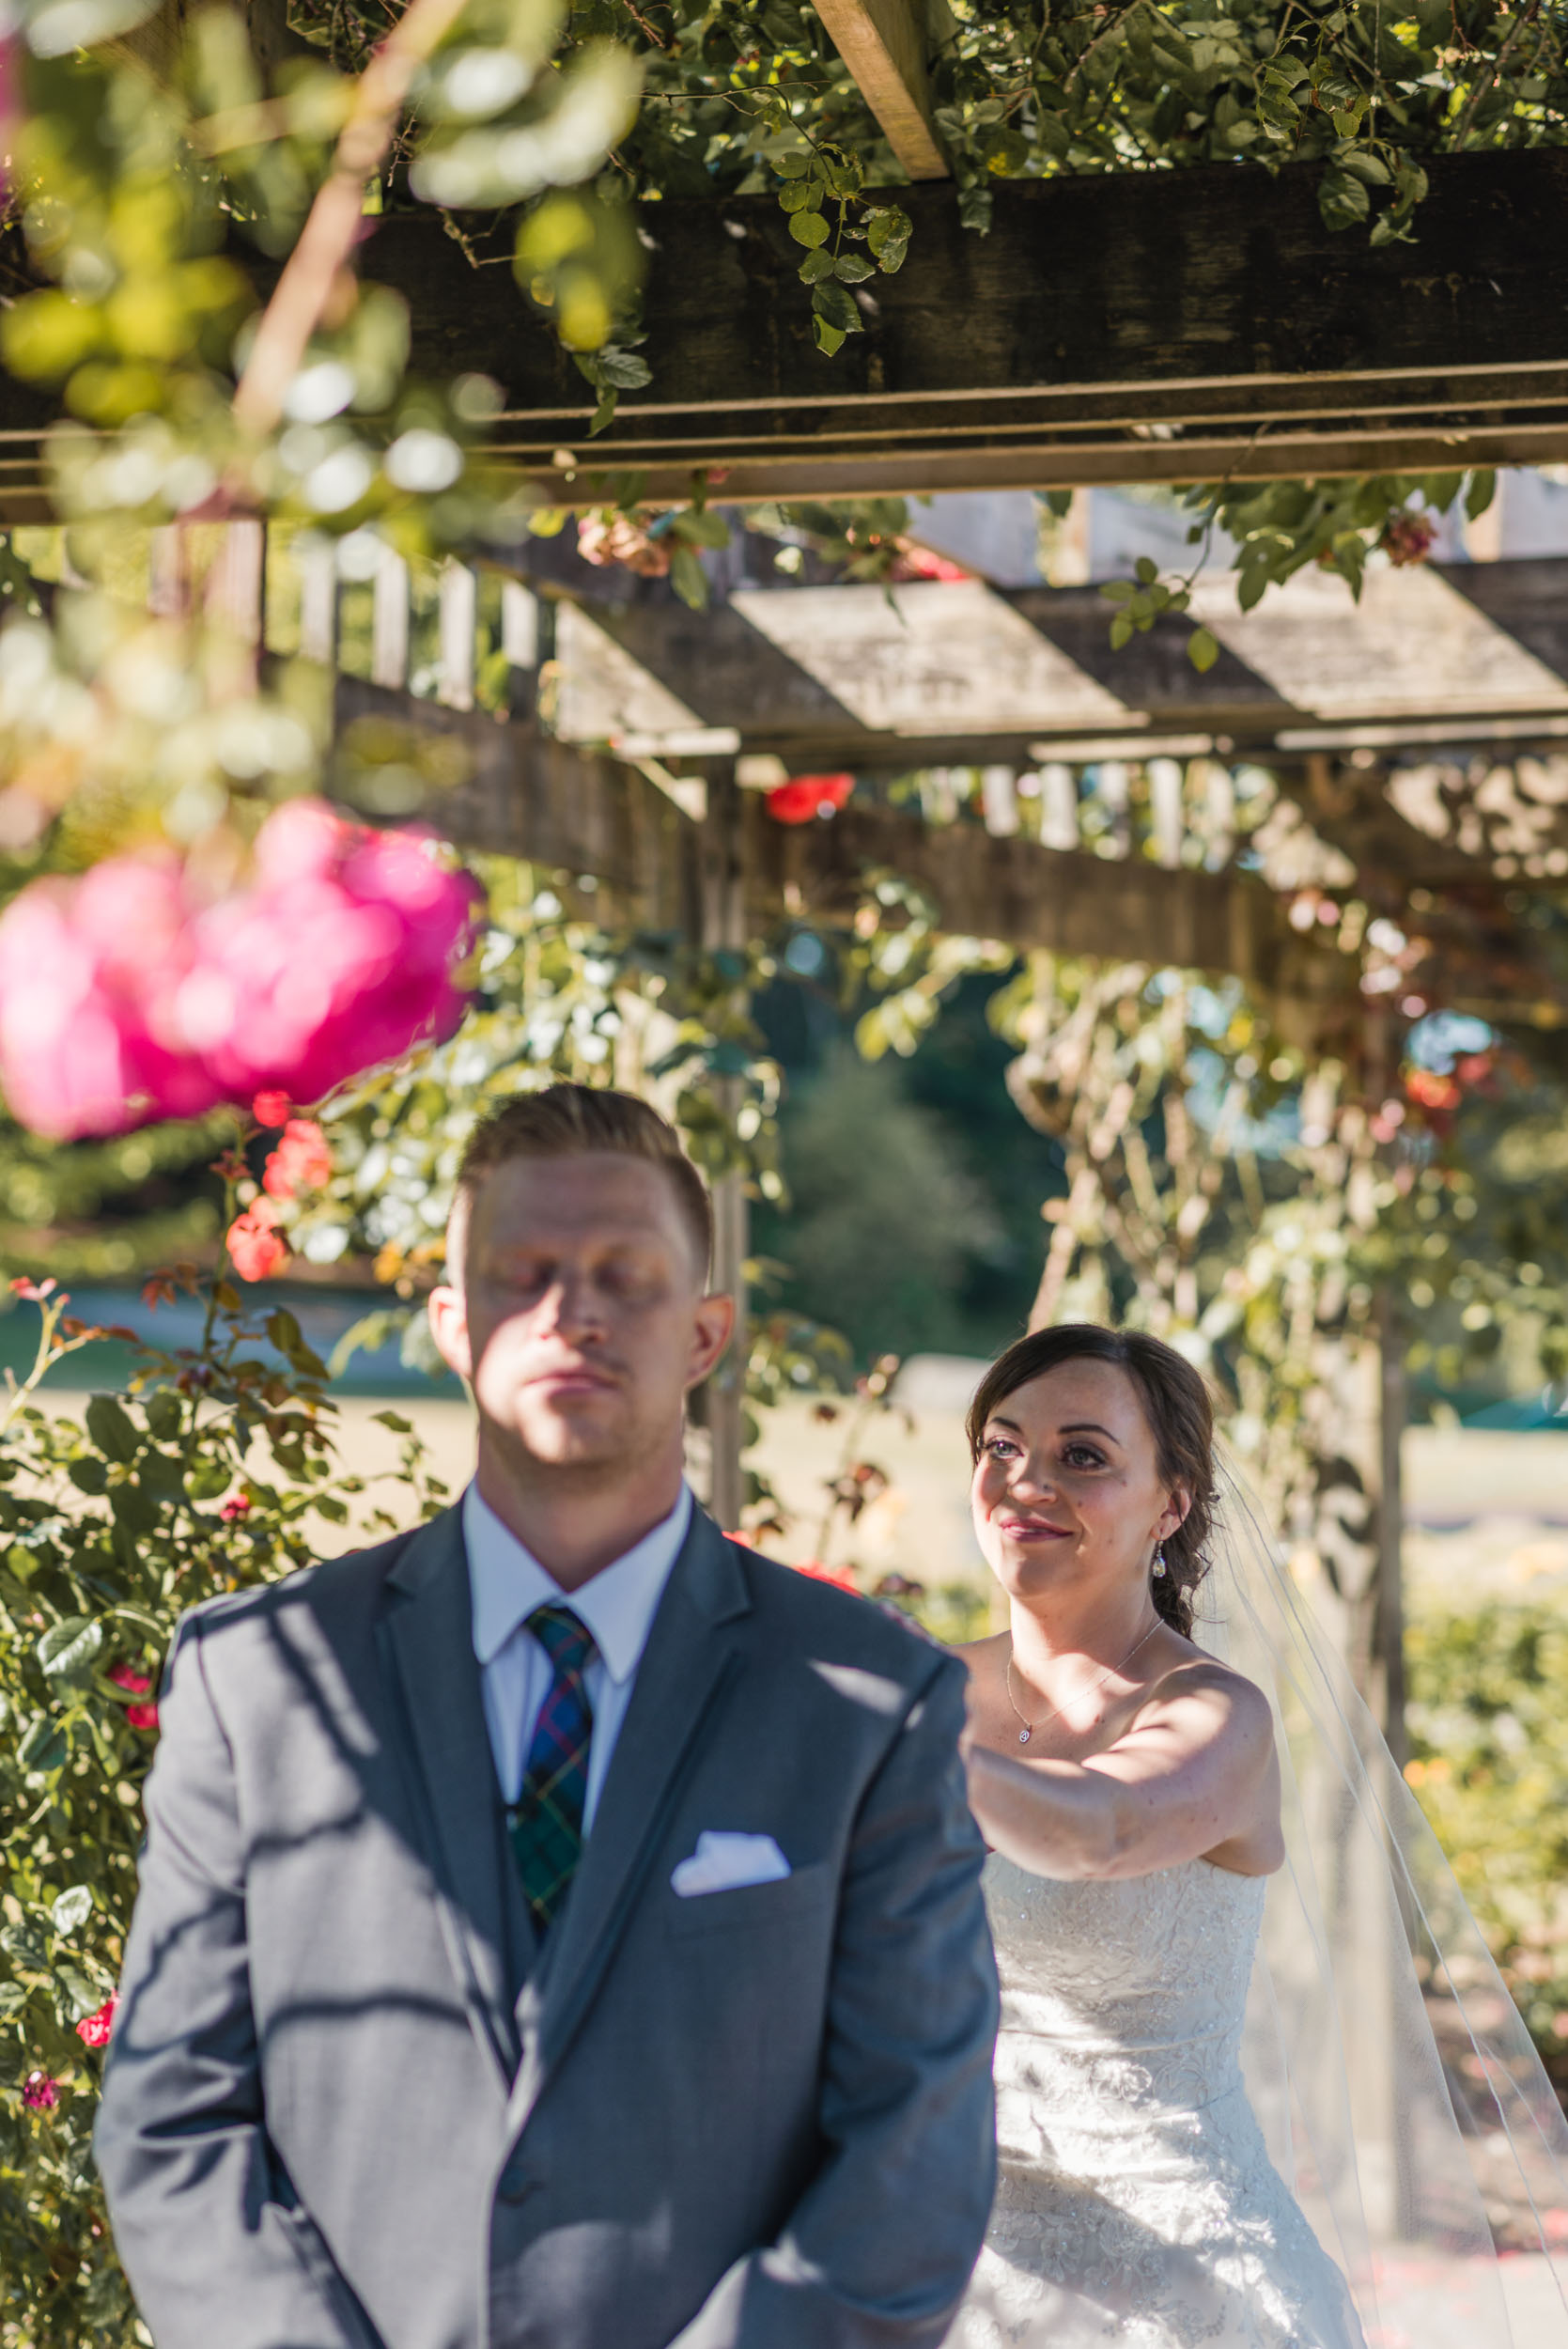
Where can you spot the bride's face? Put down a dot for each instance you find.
(1067, 1491)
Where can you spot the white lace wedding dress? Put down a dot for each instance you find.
(1136, 2204)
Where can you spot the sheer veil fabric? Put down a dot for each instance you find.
(1397, 2087)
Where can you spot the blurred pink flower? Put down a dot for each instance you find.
(256, 1247)
(236, 1507)
(94, 2029)
(270, 1109)
(135, 1684)
(141, 1716)
(39, 2092)
(123, 998)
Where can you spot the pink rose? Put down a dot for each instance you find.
(39, 2094)
(94, 2029)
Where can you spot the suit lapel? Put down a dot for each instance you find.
(685, 1666)
(427, 1639)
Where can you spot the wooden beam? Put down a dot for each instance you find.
(884, 43)
(952, 675)
(1140, 326)
(578, 813)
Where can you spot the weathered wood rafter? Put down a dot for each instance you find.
(576, 811)
(1148, 326)
(885, 45)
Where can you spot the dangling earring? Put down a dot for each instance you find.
(1159, 1562)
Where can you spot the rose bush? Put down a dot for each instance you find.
(215, 1470)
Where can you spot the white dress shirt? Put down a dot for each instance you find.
(616, 1607)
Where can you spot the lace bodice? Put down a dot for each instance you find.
(1136, 2203)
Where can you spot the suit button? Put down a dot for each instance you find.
(515, 2184)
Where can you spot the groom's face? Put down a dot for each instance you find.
(582, 1319)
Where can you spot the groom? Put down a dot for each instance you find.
(559, 1928)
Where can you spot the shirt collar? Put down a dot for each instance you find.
(616, 1606)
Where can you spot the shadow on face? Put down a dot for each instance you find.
(582, 1321)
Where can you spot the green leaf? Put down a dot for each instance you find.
(799, 197)
(72, 1910)
(829, 338)
(68, 1649)
(701, 527)
(1342, 199)
(1121, 630)
(88, 1474)
(833, 304)
(852, 268)
(809, 228)
(164, 1414)
(14, 1998)
(1118, 591)
(1147, 570)
(1482, 489)
(45, 1748)
(627, 370)
(689, 579)
(111, 1430)
(815, 267)
(1366, 165)
(394, 1419)
(1203, 648)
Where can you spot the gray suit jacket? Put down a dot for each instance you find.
(349, 2105)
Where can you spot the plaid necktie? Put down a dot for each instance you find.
(545, 1820)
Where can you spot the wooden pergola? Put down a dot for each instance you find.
(1419, 742)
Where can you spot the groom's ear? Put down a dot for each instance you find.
(714, 1325)
(449, 1317)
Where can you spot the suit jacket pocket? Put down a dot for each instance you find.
(805, 1894)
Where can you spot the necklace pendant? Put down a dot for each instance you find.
(1024, 1736)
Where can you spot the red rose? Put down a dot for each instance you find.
(805, 796)
(141, 1716)
(39, 2092)
(270, 1109)
(135, 1684)
(255, 1250)
(302, 1161)
(237, 1505)
(95, 2028)
(839, 1575)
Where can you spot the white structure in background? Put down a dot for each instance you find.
(997, 533)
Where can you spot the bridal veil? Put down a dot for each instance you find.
(1398, 2089)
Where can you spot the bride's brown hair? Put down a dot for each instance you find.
(1181, 1420)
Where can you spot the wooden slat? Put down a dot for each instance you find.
(389, 644)
(459, 604)
(884, 44)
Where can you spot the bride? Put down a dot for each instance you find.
(1127, 1784)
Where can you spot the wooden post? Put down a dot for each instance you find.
(317, 561)
(1388, 1628)
(884, 43)
(724, 918)
(459, 597)
(389, 637)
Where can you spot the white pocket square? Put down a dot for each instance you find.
(723, 1862)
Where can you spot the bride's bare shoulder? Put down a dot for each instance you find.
(984, 1655)
(1240, 1702)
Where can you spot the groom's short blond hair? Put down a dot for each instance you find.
(572, 1121)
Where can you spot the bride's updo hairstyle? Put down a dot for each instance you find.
(1180, 1417)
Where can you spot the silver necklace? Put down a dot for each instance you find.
(1027, 1731)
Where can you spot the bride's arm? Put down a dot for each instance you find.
(1196, 1770)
